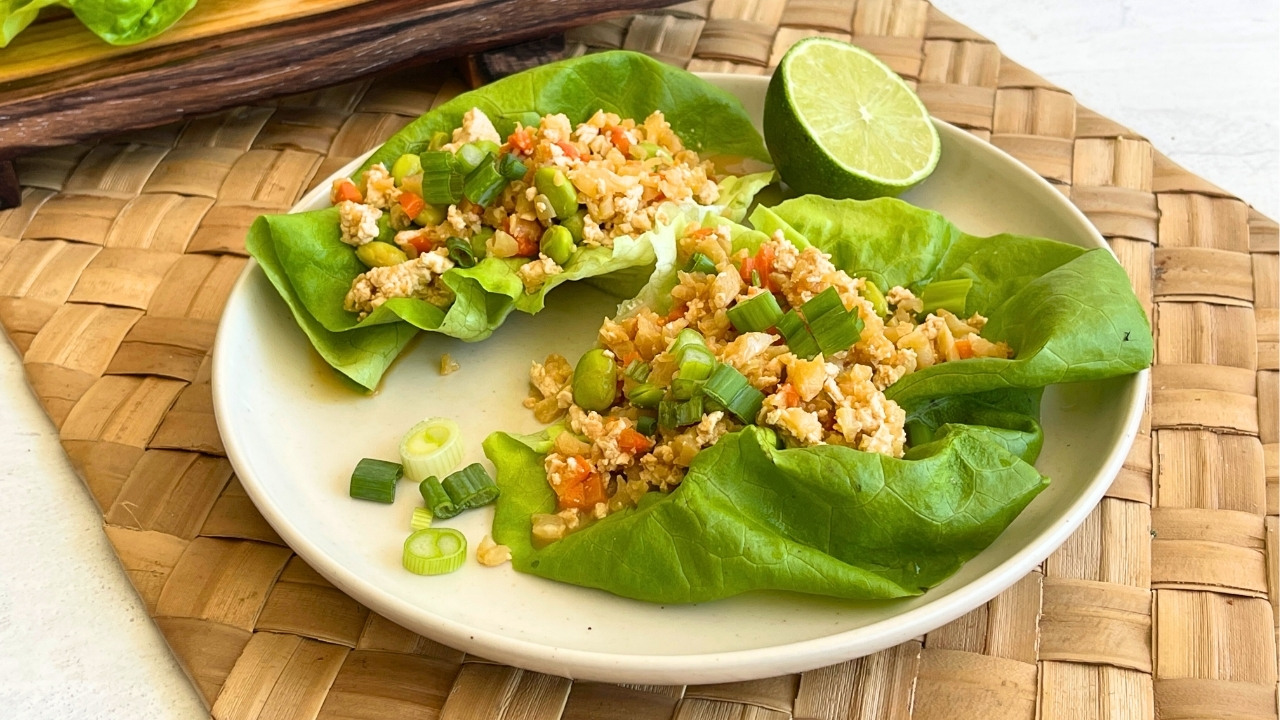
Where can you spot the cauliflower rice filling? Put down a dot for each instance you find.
(623, 171)
(601, 462)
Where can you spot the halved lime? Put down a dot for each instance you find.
(840, 123)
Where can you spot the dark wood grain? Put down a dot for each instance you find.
(10, 192)
(152, 87)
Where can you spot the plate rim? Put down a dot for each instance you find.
(728, 666)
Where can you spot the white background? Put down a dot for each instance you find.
(1199, 79)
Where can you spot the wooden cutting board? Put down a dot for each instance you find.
(59, 83)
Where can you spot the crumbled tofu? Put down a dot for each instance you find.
(536, 272)
(358, 222)
(380, 189)
(411, 279)
(491, 554)
(475, 126)
(448, 365)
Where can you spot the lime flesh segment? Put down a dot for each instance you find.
(840, 122)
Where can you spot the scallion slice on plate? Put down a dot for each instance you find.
(434, 495)
(434, 551)
(375, 480)
(421, 519)
(432, 447)
(470, 487)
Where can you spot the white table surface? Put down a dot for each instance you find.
(1200, 79)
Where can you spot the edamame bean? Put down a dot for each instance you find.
(574, 224)
(380, 254)
(557, 244)
(478, 241)
(646, 150)
(431, 215)
(875, 297)
(551, 181)
(595, 381)
(404, 166)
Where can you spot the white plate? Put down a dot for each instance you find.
(294, 429)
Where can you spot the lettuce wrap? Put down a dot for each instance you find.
(831, 520)
(119, 22)
(312, 269)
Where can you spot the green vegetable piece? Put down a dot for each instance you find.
(730, 389)
(386, 231)
(952, 295)
(439, 139)
(404, 166)
(700, 263)
(375, 480)
(484, 184)
(686, 339)
(574, 224)
(756, 314)
(918, 432)
(489, 147)
(433, 493)
(685, 388)
(380, 254)
(469, 157)
(413, 183)
(557, 244)
(431, 447)
(875, 297)
(470, 487)
(460, 252)
(431, 215)
(511, 168)
(421, 518)
(442, 182)
(595, 381)
(647, 425)
(637, 370)
(696, 362)
(434, 551)
(676, 413)
(799, 340)
(478, 241)
(646, 150)
(561, 195)
(645, 395)
(400, 219)
(835, 331)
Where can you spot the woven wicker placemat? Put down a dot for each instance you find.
(115, 269)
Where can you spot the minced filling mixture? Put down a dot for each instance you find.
(552, 189)
(796, 362)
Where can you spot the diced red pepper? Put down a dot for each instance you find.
(412, 203)
(521, 141)
(748, 266)
(423, 244)
(764, 265)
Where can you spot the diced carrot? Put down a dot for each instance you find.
(619, 139)
(423, 244)
(633, 442)
(630, 358)
(748, 266)
(677, 312)
(412, 203)
(571, 495)
(964, 349)
(347, 190)
(700, 232)
(579, 487)
(521, 141)
(569, 149)
(593, 491)
(526, 247)
(764, 261)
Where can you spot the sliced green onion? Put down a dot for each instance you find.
(835, 331)
(647, 425)
(434, 495)
(755, 278)
(918, 433)
(470, 487)
(674, 413)
(756, 314)
(439, 139)
(696, 362)
(685, 388)
(421, 518)
(799, 340)
(730, 388)
(645, 395)
(478, 241)
(432, 447)
(375, 480)
(434, 551)
(484, 184)
(469, 157)
(700, 263)
(637, 370)
(824, 302)
(510, 167)
(460, 252)
(442, 183)
(686, 338)
(875, 297)
(488, 146)
(950, 295)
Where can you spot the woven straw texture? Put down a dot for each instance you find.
(115, 269)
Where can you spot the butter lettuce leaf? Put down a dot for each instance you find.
(313, 269)
(119, 22)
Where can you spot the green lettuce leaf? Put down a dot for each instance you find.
(826, 520)
(314, 269)
(1068, 313)
(119, 22)
(836, 521)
